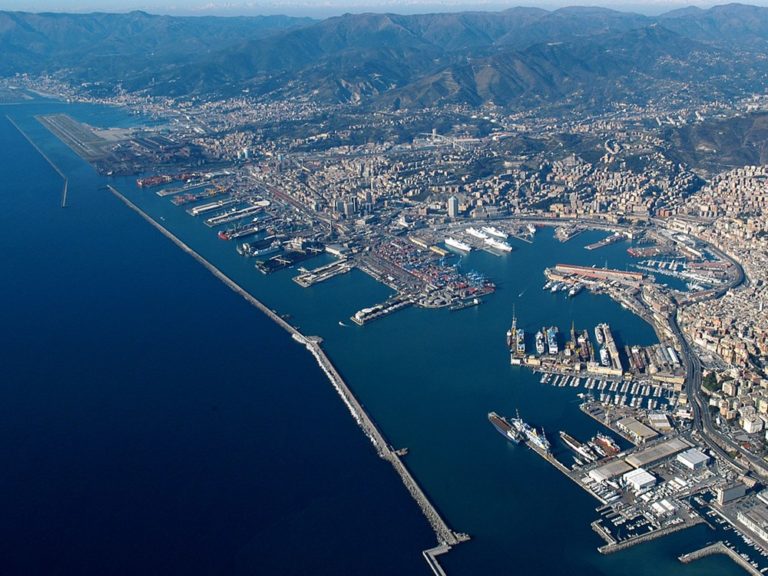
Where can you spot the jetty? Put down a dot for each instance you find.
(445, 536)
(719, 548)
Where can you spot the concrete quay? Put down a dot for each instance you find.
(614, 546)
(445, 536)
(719, 548)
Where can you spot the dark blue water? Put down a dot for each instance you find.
(156, 422)
(152, 422)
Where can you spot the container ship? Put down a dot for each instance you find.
(504, 428)
(458, 245)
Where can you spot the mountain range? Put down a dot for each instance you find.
(517, 56)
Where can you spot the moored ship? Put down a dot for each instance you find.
(494, 232)
(552, 340)
(458, 245)
(504, 428)
(498, 245)
(578, 447)
(607, 443)
(540, 346)
(477, 233)
(535, 439)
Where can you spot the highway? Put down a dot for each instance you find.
(702, 416)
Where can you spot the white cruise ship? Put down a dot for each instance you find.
(503, 246)
(458, 245)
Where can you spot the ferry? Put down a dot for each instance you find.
(495, 232)
(503, 246)
(504, 428)
(605, 359)
(540, 349)
(458, 245)
(477, 233)
(599, 334)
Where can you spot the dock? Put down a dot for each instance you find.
(614, 546)
(446, 537)
(719, 548)
(188, 188)
(393, 304)
(309, 277)
(618, 237)
(199, 210)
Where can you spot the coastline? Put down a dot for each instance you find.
(446, 537)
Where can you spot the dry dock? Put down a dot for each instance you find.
(445, 536)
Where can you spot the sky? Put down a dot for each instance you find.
(323, 8)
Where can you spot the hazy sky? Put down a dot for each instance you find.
(330, 7)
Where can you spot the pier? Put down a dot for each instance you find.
(614, 546)
(393, 304)
(45, 157)
(445, 536)
(719, 548)
(617, 237)
(309, 277)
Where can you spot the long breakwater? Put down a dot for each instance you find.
(720, 548)
(47, 159)
(445, 536)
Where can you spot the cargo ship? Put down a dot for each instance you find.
(552, 340)
(504, 428)
(540, 347)
(458, 245)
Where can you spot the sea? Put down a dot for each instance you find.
(153, 422)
